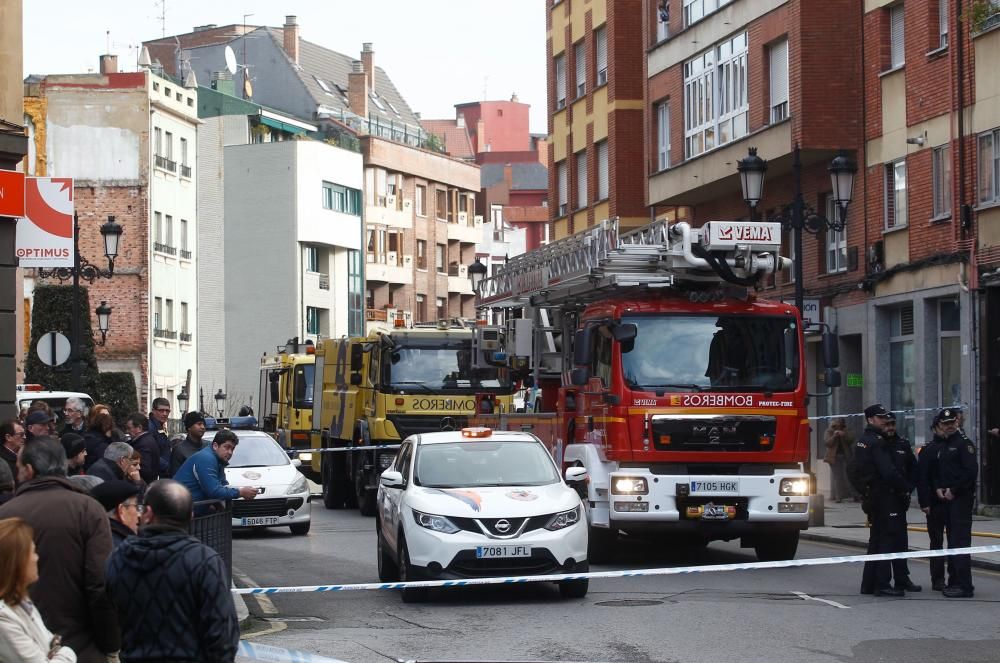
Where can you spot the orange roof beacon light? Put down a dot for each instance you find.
(478, 431)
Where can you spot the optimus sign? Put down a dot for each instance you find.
(727, 235)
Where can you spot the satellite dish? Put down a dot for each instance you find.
(230, 60)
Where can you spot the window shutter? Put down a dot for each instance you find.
(602, 56)
(779, 73)
(561, 177)
(560, 81)
(602, 170)
(897, 53)
(890, 196)
(663, 135)
(581, 179)
(579, 55)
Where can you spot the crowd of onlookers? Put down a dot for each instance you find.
(96, 563)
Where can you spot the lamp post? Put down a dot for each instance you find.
(103, 320)
(182, 400)
(477, 274)
(111, 233)
(797, 215)
(220, 401)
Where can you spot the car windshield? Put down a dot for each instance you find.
(441, 368)
(720, 353)
(256, 450)
(480, 464)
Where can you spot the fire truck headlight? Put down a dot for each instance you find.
(629, 486)
(794, 487)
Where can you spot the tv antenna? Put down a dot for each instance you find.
(162, 4)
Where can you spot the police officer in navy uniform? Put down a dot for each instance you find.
(906, 463)
(953, 480)
(934, 508)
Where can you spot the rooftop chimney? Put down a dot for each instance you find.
(222, 81)
(357, 89)
(109, 64)
(368, 59)
(514, 98)
(291, 33)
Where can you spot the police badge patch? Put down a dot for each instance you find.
(972, 450)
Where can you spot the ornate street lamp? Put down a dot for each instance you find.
(751, 170)
(842, 170)
(103, 320)
(220, 401)
(182, 400)
(477, 274)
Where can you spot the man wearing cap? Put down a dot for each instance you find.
(36, 424)
(933, 507)
(121, 500)
(874, 474)
(953, 481)
(906, 463)
(194, 423)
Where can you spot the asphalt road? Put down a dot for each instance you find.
(794, 614)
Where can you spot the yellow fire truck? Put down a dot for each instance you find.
(286, 393)
(379, 389)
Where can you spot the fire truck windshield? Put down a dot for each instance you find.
(441, 367)
(748, 353)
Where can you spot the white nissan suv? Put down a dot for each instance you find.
(478, 503)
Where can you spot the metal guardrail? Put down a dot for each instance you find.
(165, 248)
(186, 171)
(213, 526)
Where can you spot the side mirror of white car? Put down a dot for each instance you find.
(575, 474)
(392, 479)
(296, 462)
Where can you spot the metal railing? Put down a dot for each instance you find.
(185, 254)
(164, 333)
(186, 337)
(164, 248)
(213, 526)
(324, 281)
(186, 171)
(166, 164)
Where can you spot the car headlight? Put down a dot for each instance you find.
(629, 486)
(435, 523)
(799, 486)
(563, 519)
(299, 485)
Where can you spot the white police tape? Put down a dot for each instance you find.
(373, 447)
(680, 570)
(961, 407)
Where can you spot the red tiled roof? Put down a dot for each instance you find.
(455, 138)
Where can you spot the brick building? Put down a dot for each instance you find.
(901, 284)
(595, 93)
(129, 140)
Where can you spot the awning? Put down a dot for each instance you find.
(285, 124)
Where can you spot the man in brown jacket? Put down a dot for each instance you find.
(73, 539)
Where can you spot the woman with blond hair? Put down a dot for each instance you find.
(23, 636)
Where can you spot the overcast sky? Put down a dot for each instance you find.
(438, 52)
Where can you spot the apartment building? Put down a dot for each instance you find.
(129, 140)
(595, 92)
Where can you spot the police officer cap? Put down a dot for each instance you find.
(945, 415)
(37, 417)
(890, 416)
(112, 493)
(876, 410)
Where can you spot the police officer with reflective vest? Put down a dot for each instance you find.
(953, 480)
(934, 508)
(879, 475)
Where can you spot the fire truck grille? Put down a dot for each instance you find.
(411, 424)
(749, 433)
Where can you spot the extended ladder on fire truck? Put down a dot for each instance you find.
(595, 262)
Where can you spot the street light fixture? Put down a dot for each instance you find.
(220, 401)
(103, 320)
(477, 274)
(182, 400)
(111, 233)
(797, 216)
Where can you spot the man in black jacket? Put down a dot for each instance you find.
(143, 441)
(121, 500)
(905, 463)
(953, 480)
(194, 422)
(171, 591)
(934, 509)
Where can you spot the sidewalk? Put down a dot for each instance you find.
(844, 523)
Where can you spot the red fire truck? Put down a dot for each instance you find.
(651, 362)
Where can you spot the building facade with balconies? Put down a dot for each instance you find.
(293, 236)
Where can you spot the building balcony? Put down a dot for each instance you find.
(185, 254)
(316, 281)
(390, 271)
(460, 284)
(186, 171)
(186, 337)
(166, 164)
(390, 211)
(166, 334)
(467, 229)
(165, 248)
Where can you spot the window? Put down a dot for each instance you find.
(168, 314)
(312, 320)
(581, 179)
(779, 81)
(695, 10)
(421, 308)
(950, 351)
(836, 241)
(897, 51)
(421, 254)
(942, 25)
(662, 20)
(184, 151)
(184, 235)
(580, 59)
(312, 259)
(341, 199)
(184, 318)
(941, 177)
(563, 189)
(442, 309)
(158, 227)
(663, 135)
(902, 369)
(601, 55)
(895, 195)
(158, 314)
(168, 231)
(989, 167)
(602, 170)
(441, 211)
(716, 101)
(355, 304)
(439, 259)
(158, 140)
(560, 67)
(169, 146)
(420, 196)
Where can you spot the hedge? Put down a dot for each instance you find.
(117, 391)
(52, 311)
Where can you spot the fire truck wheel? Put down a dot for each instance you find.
(411, 594)
(601, 545)
(387, 569)
(366, 496)
(333, 497)
(777, 547)
(575, 589)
